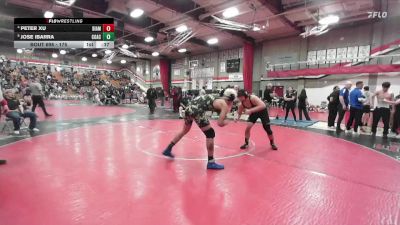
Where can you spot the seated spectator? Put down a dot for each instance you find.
(16, 112)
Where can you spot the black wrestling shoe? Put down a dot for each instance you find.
(245, 146)
(2, 161)
(273, 146)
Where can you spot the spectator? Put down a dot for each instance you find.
(333, 105)
(162, 96)
(290, 100)
(268, 94)
(366, 108)
(17, 112)
(396, 116)
(5, 110)
(344, 104)
(356, 100)
(203, 91)
(151, 97)
(382, 109)
(302, 105)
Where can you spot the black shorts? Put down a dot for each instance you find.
(263, 115)
(366, 109)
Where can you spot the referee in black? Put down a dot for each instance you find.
(37, 96)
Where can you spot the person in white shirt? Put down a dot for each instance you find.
(202, 91)
(366, 107)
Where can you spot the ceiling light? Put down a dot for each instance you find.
(109, 61)
(230, 12)
(181, 28)
(123, 61)
(136, 13)
(182, 50)
(48, 14)
(331, 19)
(94, 55)
(149, 39)
(155, 54)
(84, 59)
(54, 55)
(212, 41)
(107, 52)
(125, 46)
(63, 52)
(65, 2)
(19, 51)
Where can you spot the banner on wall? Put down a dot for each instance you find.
(177, 72)
(321, 56)
(352, 53)
(331, 55)
(236, 76)
(341, 55)
(202, 72)
(311, 57)
(364, 52)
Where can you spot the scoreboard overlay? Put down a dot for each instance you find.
(64, 33)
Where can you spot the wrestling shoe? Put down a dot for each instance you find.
(274, 147)
(168, 153)
(244, 146)
(214, 166)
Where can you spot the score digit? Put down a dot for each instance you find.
(108, 36)
(108, 27)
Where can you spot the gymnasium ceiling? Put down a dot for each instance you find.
(276, 18)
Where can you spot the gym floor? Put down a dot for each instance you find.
(102, 165)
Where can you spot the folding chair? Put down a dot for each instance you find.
(9, 125)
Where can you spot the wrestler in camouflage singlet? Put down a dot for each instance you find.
(197, 108)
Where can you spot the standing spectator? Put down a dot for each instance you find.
(177, 96)
(344, 104)
(366, 108)
(290, 100)
(333, 105)
(203, 91)
(37, 96)
(268, 94)
(5, 110)
(382, 109)
(96, 95)
(356, 100)
(396, 116)
(174, 94)
(302, 105)
(162, 96)
(151, 97)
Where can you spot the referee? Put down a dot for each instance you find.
(37, 96)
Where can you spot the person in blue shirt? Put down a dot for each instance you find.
(344, 104)
(356, 99)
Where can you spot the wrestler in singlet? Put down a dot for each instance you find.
(256, 109)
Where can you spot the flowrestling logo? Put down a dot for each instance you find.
(377, 14)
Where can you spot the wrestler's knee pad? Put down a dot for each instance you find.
(210, 133)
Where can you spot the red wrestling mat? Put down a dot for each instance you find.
(114, 174)
(63, 110)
